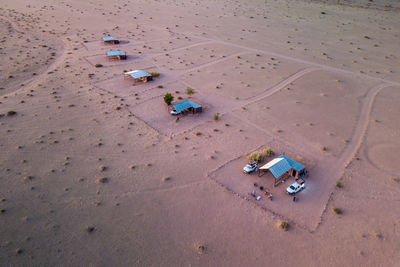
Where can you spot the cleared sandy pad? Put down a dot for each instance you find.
(132, 59)
(157, 114)
(383, 134)
(305, 212)
(163, 45)
(243, 76)
(125, 86)
(195, 56)
(320, 107)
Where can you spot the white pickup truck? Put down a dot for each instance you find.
(297, 186)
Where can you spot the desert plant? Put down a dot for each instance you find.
(268, 152)
(189, 91)
(98, 65)
(284, 225)
(339, 185)
(11, 113)
(168, 98)
(337, 210)
(256, 156)
(155, 74)
(216, 116)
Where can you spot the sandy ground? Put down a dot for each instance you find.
(94, 171)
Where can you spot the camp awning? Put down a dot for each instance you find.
(137, 74)
(181, 106)
(109, 38)
(115, 53)
(282, 164)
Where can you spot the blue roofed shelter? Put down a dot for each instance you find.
(282, 166)
(139, 75)
(110, 40)
(188, 105)
(116, 54)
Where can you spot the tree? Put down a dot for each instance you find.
(168, 98)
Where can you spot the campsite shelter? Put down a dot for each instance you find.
(283, 165)
(110, 40)
(116, 54)
(188, 105)
(139, 75)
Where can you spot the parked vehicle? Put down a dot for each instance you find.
(296, 186)
(174, 112)
(250, 167)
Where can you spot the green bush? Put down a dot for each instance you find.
(337, 210)
(168, 98)
(256, 156)
(155, 74)
(189, 91)
(284, 225)
(216, 116)
(268, 152)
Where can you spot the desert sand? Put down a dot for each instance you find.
(94, 171)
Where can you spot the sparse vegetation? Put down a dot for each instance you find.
(11, 113)
(323, 148)
(284, 225)
(268, 152)
(90, 229)
(216, 116)
(337, 211)
(189, 91)
(168, 98)
(256, 156)
(98, 65)
(166, 179)
(197, 133)
(155, 74)
(102, 180)
(201, 248)
(339, 185)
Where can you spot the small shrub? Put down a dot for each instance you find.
(90, 229)
(268, 152)
(198, 133)
(102, 180)
(189, 91)
(11, 113)
(323, 148)
(284, 225)
(98, 65)
(168, 98)
(216, 116)
(337, 210)
(160, 86)
(201, 248)
(256, 156)
(102, 168)
(339, 185)
(155, 74)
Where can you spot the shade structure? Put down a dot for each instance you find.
(109, 38)
(137, 74)
(282, 164)
(115, 53)
(181, 106)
